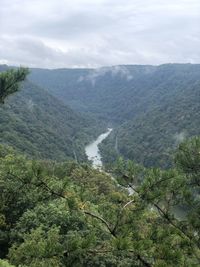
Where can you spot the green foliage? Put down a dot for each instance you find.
(188, 157)
(36, 123)
(5, 264)
(39, 249)
(10, 81)
(67, 214)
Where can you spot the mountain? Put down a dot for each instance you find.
(173, 114)
(35, 122)
(150, 139)
(101, 92)
(151, 107)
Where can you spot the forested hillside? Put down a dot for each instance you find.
(151, 107)
(102, 92)
(40, 125)
(151, 138)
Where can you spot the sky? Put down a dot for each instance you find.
(95, 33)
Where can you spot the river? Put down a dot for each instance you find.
(92, 150)
(93, 154)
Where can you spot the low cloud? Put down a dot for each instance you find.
(180, 137)
(114, 71)
(30, 105)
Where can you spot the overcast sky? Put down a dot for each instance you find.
(94, 33)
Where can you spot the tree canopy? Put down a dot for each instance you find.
(67, 214)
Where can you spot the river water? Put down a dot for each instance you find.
(93, 154)
(92, 150)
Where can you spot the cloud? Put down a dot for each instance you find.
(30, 105)
(120, 71)
(180, 137)
(88, 33)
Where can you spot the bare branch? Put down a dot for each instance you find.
(102, 220)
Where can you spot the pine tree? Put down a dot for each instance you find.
(10, 81)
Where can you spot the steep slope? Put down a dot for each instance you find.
(151, 107)
(120, 93)
(150, 139)
(38, 124)
(101, 92)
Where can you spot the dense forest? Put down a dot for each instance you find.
(118, 93)
(65, 213)
(151, 108)
(151, 138)
(38, 124)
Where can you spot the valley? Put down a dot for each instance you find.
(108, 176)
(151, 108)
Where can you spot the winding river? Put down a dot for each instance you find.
(92, 150)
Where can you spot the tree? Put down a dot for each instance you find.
(5, 264)
(187, 157)
(67, 214)
(10, 81)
